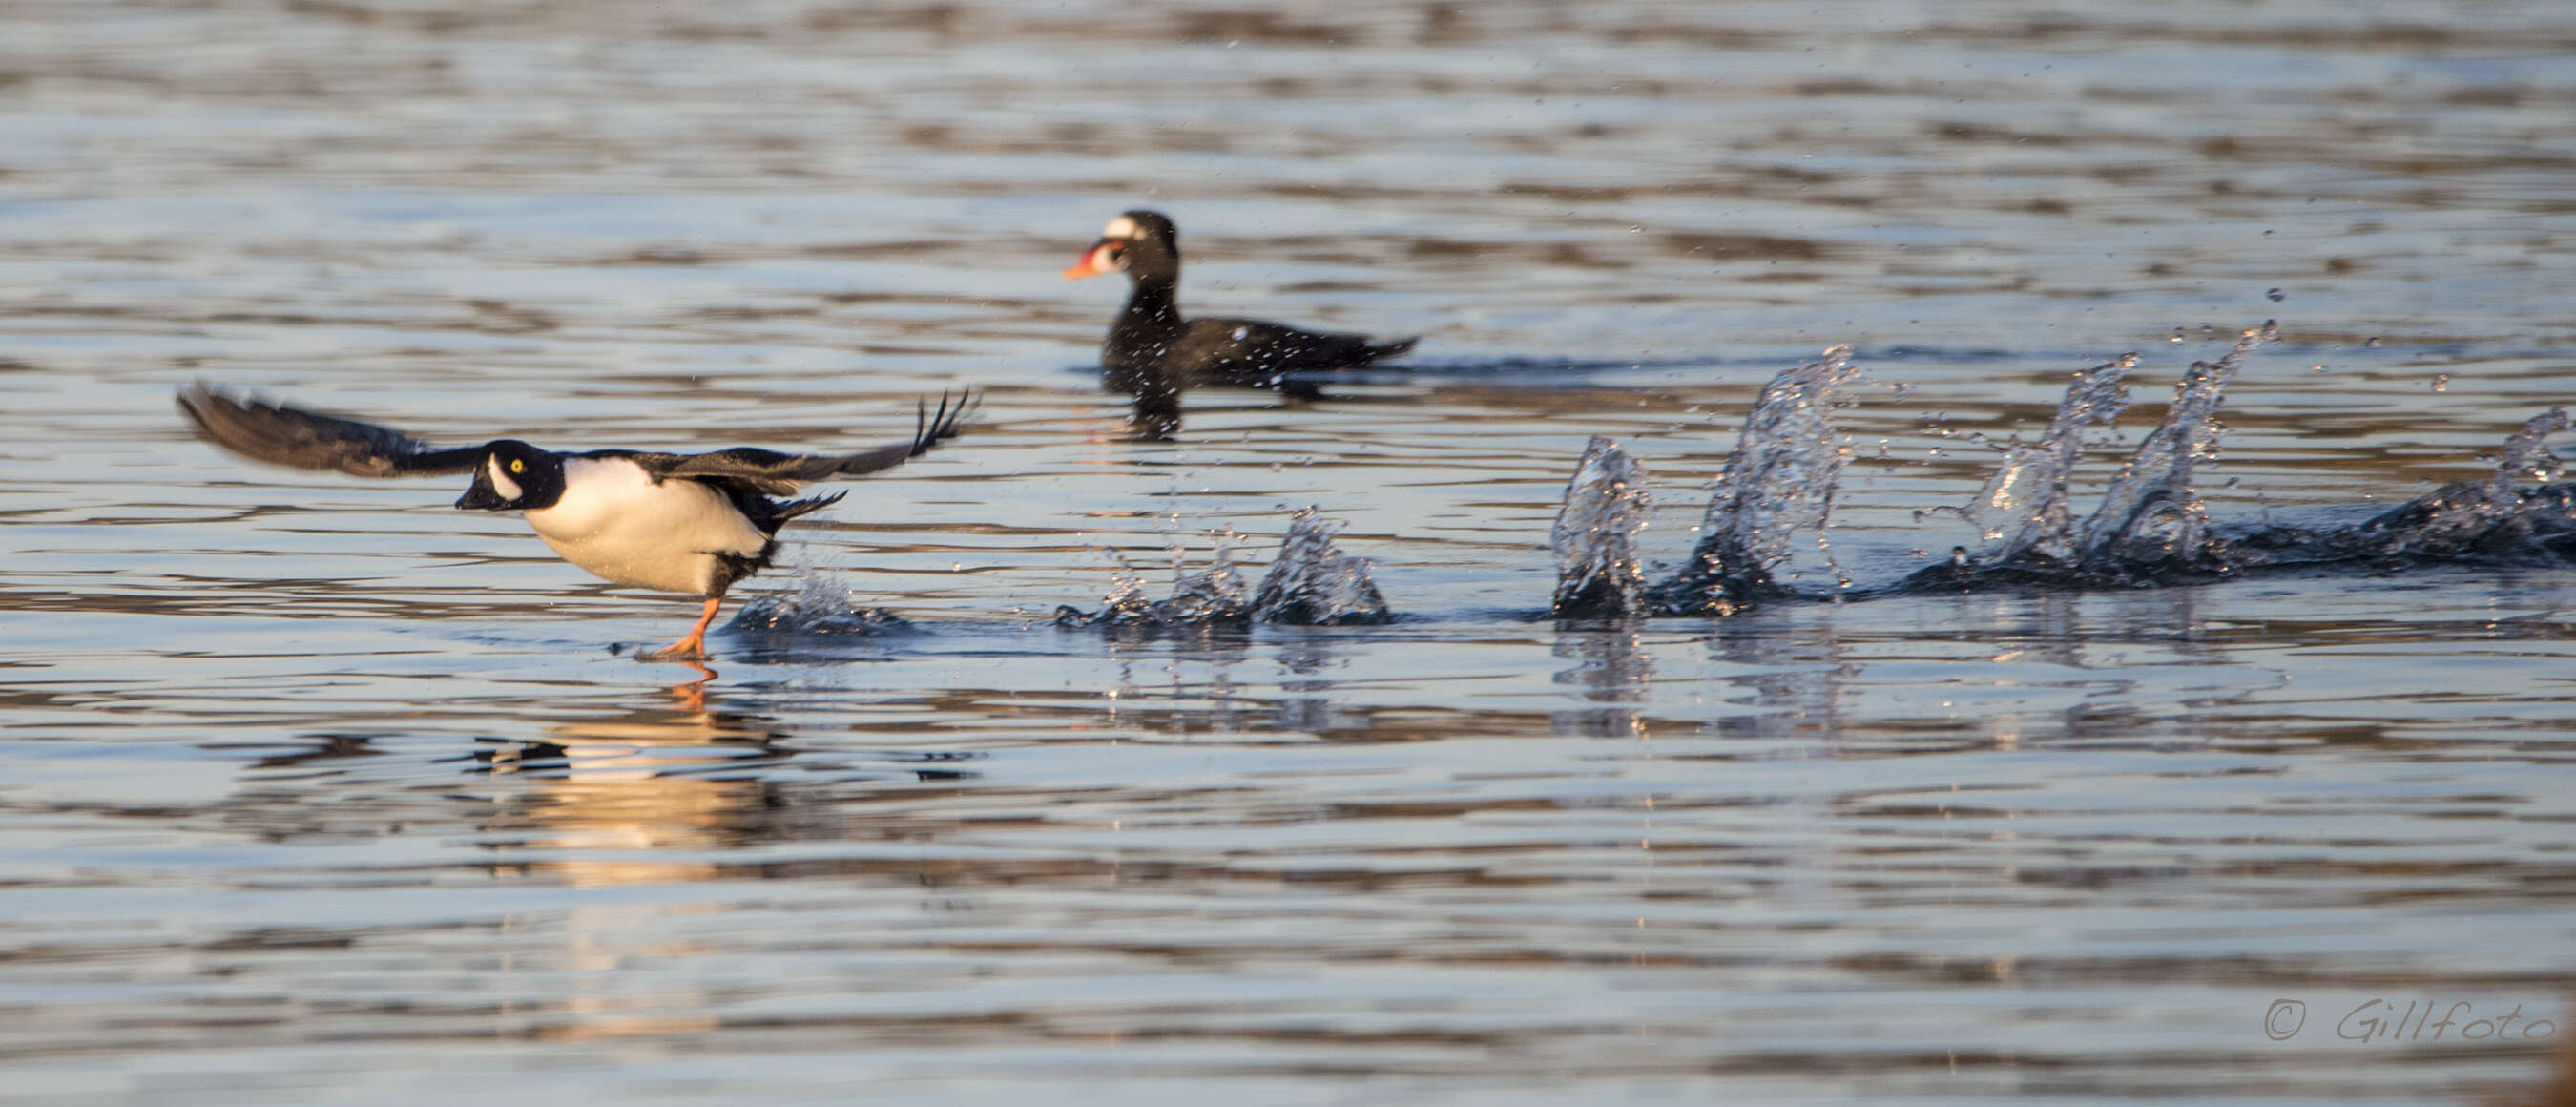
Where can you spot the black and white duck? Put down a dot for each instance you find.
(693, 523)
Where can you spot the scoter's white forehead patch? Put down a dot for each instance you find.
(501, 482)
(1121, 227)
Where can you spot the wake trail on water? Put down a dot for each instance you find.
(1311, 583)
(2148, 528)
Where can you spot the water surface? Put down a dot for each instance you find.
(318, 791)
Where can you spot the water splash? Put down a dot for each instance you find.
(1595, 538)
(2021, 513)
(2151, 528)
(2527, 453)
(1779, 481)
(2465, 515)
(1213, 596)
(1315, 584)
(2151, 518)
(2489, 518)
(820, 606)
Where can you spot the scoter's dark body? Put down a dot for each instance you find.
(1153, 350)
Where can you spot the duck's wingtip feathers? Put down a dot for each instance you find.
(930, 428)
(279, 435)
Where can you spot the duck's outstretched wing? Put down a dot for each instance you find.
(776, 474)
(282, 435)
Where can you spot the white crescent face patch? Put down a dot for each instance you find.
(501, 482)
(1121, 227)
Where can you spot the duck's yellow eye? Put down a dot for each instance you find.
(518, 466)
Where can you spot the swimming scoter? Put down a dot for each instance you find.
(1152, 350)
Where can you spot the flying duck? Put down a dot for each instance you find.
(1152, 350)
(693, 523)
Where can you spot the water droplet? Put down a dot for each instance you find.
(1958, 557)
(1635, 229)
(2441, 382)
(2372, 342)
(2275, 295)
(2271, 331)
(2178, 333)
(2316, 368)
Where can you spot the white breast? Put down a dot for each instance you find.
(614, 521)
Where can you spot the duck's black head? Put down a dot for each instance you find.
(1143, 244)
(514, 476)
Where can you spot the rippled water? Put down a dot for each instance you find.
(318, 791)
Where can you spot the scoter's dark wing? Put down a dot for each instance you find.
(777, 474)
(289, 436)
(1255, 353)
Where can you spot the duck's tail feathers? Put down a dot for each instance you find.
(790, 509)
(1398, 348)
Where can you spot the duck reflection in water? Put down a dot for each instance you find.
(625, 789)
(692, 694)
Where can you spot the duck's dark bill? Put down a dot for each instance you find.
(481, 497)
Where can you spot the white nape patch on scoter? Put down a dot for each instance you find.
(1121, 227)
(501, 482)
(615, 522)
